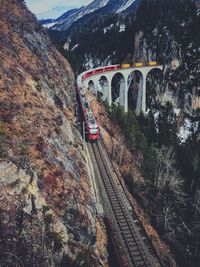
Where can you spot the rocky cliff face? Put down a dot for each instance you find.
(169, 34)
(172, 39)
(47, 209)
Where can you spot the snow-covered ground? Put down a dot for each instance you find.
(177, 111)
(187, 129)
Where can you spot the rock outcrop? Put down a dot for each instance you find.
(47, 209)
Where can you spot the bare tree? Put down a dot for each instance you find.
(169, 185)
(121, 148)
(196, 204)
(118, 147)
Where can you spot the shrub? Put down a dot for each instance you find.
(66, 262)
(48, 219)
(56, 239)
(3, 130)
(38, 87)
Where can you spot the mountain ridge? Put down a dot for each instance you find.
(97, 7)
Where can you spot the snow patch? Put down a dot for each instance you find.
(88, 9)
(74, 47)
(105, 30)
(187, 129)
(177, 111)
(49, 25)
(122, 28)
(156, 116)
(100, 87)
(89, 64)
(125, 6)
(104, 2)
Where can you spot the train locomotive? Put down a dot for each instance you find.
(91, 128)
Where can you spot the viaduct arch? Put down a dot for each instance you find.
(130, 85)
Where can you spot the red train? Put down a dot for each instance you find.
(100, 70)
(91, 127)
(116, 67)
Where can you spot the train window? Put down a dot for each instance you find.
(86, 105)
(92, 121)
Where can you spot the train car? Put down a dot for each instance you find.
(125, 66)
(139, 64)
(87, 74)
(91, 127)
(117, 67)
(97, 71)
(152, 63)
(112, 67)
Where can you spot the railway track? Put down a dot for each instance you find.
(130, 234)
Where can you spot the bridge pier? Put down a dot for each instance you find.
(122, 92)
(109, 92)
(125, 100)
(144, 95)
(139, 97)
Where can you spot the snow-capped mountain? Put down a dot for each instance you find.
(51, 22)
(66, 20)
(52, 11)
(97, 7)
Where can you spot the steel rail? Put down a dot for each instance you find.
(134, 244)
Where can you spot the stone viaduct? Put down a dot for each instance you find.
(102, 81)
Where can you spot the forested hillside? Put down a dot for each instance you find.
(104, 40)
(167, 141)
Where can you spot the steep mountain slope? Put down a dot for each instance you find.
(104, 40)
(47, 208)
(170, 35)
(94, 9)
(63, 25)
